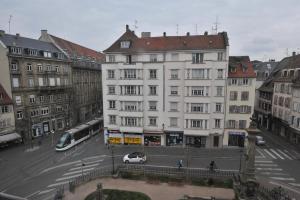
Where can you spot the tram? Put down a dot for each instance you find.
(79, 134)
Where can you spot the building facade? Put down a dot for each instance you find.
(40, 77)
(167, 90)
(240, 100)
(285, 99)
(86, 77)
(7, 117)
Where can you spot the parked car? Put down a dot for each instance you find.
(260, 140)
(135, 157)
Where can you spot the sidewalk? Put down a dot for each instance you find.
(154, 191)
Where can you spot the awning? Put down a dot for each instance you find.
(9, 137)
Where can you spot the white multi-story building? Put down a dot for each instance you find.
(167, 90)
(240, 100)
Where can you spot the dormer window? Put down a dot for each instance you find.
(32, 52)
(125, 44)
(60, 56)
(16, 50)
(47, 54)
(232, 69)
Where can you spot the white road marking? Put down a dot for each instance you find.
(87, 163)
(93, 157)
(284, 186)
(284, 154)
(57, 184)
(32, 194)
(277, 154)
(58, 166)
(270, 154)
(283, 179)
(274, 173)
(263, 161)
(78, 171)
(287, 152)
(269, 169)
(295, 184)
(261, 154)
(68, 177)
(83, 167)
(266, 165)
(46, 191)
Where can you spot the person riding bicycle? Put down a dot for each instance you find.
(212, 165)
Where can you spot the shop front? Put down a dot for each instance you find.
(37, 130)
(174, 138)
(153, 138)
(236, 138)
(196, 141)
(113, 137)
(133, 138)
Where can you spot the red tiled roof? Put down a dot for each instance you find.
(77, 49)
(244, 68)
(4, 98)
(167, 43)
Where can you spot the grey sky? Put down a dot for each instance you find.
(262, 29)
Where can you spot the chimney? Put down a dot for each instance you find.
(17, 35)
(294, 53)
(165, 34)
(2, 32)
(44, 32)
(145, 34)
(187, 33)
(205, 33)
(127, 27)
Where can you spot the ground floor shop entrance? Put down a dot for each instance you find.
(196, 141)
(174, 138)
(152, 140)
(236, 138)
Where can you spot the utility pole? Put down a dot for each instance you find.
(177, 27)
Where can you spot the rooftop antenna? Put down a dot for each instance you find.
(135, 25)
(10, 16)
(177, 27)
(196, 29)
(214, 29)
(287, 52)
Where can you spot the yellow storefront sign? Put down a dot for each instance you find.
(115, 140)
(132, 140)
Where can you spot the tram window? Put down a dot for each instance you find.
(68, 140)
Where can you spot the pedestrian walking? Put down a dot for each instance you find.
(212, 166)
(179, 164)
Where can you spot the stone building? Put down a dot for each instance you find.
(165, 90)
(240, 100)
(285, 99)
(40, 77)
(86, 77)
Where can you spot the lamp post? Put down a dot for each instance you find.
(249, 184)
(112, 157)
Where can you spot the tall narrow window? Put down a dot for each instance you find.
(197, 57)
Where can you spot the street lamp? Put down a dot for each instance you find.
(112, 157)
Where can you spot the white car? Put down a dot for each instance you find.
(136, 157)
(260, 140)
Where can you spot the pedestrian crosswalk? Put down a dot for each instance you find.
(77, 169)
(276, 154)
(266, 167)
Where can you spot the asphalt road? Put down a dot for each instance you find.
(37, 173)
(278, 164)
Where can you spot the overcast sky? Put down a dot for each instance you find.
(262, 29)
